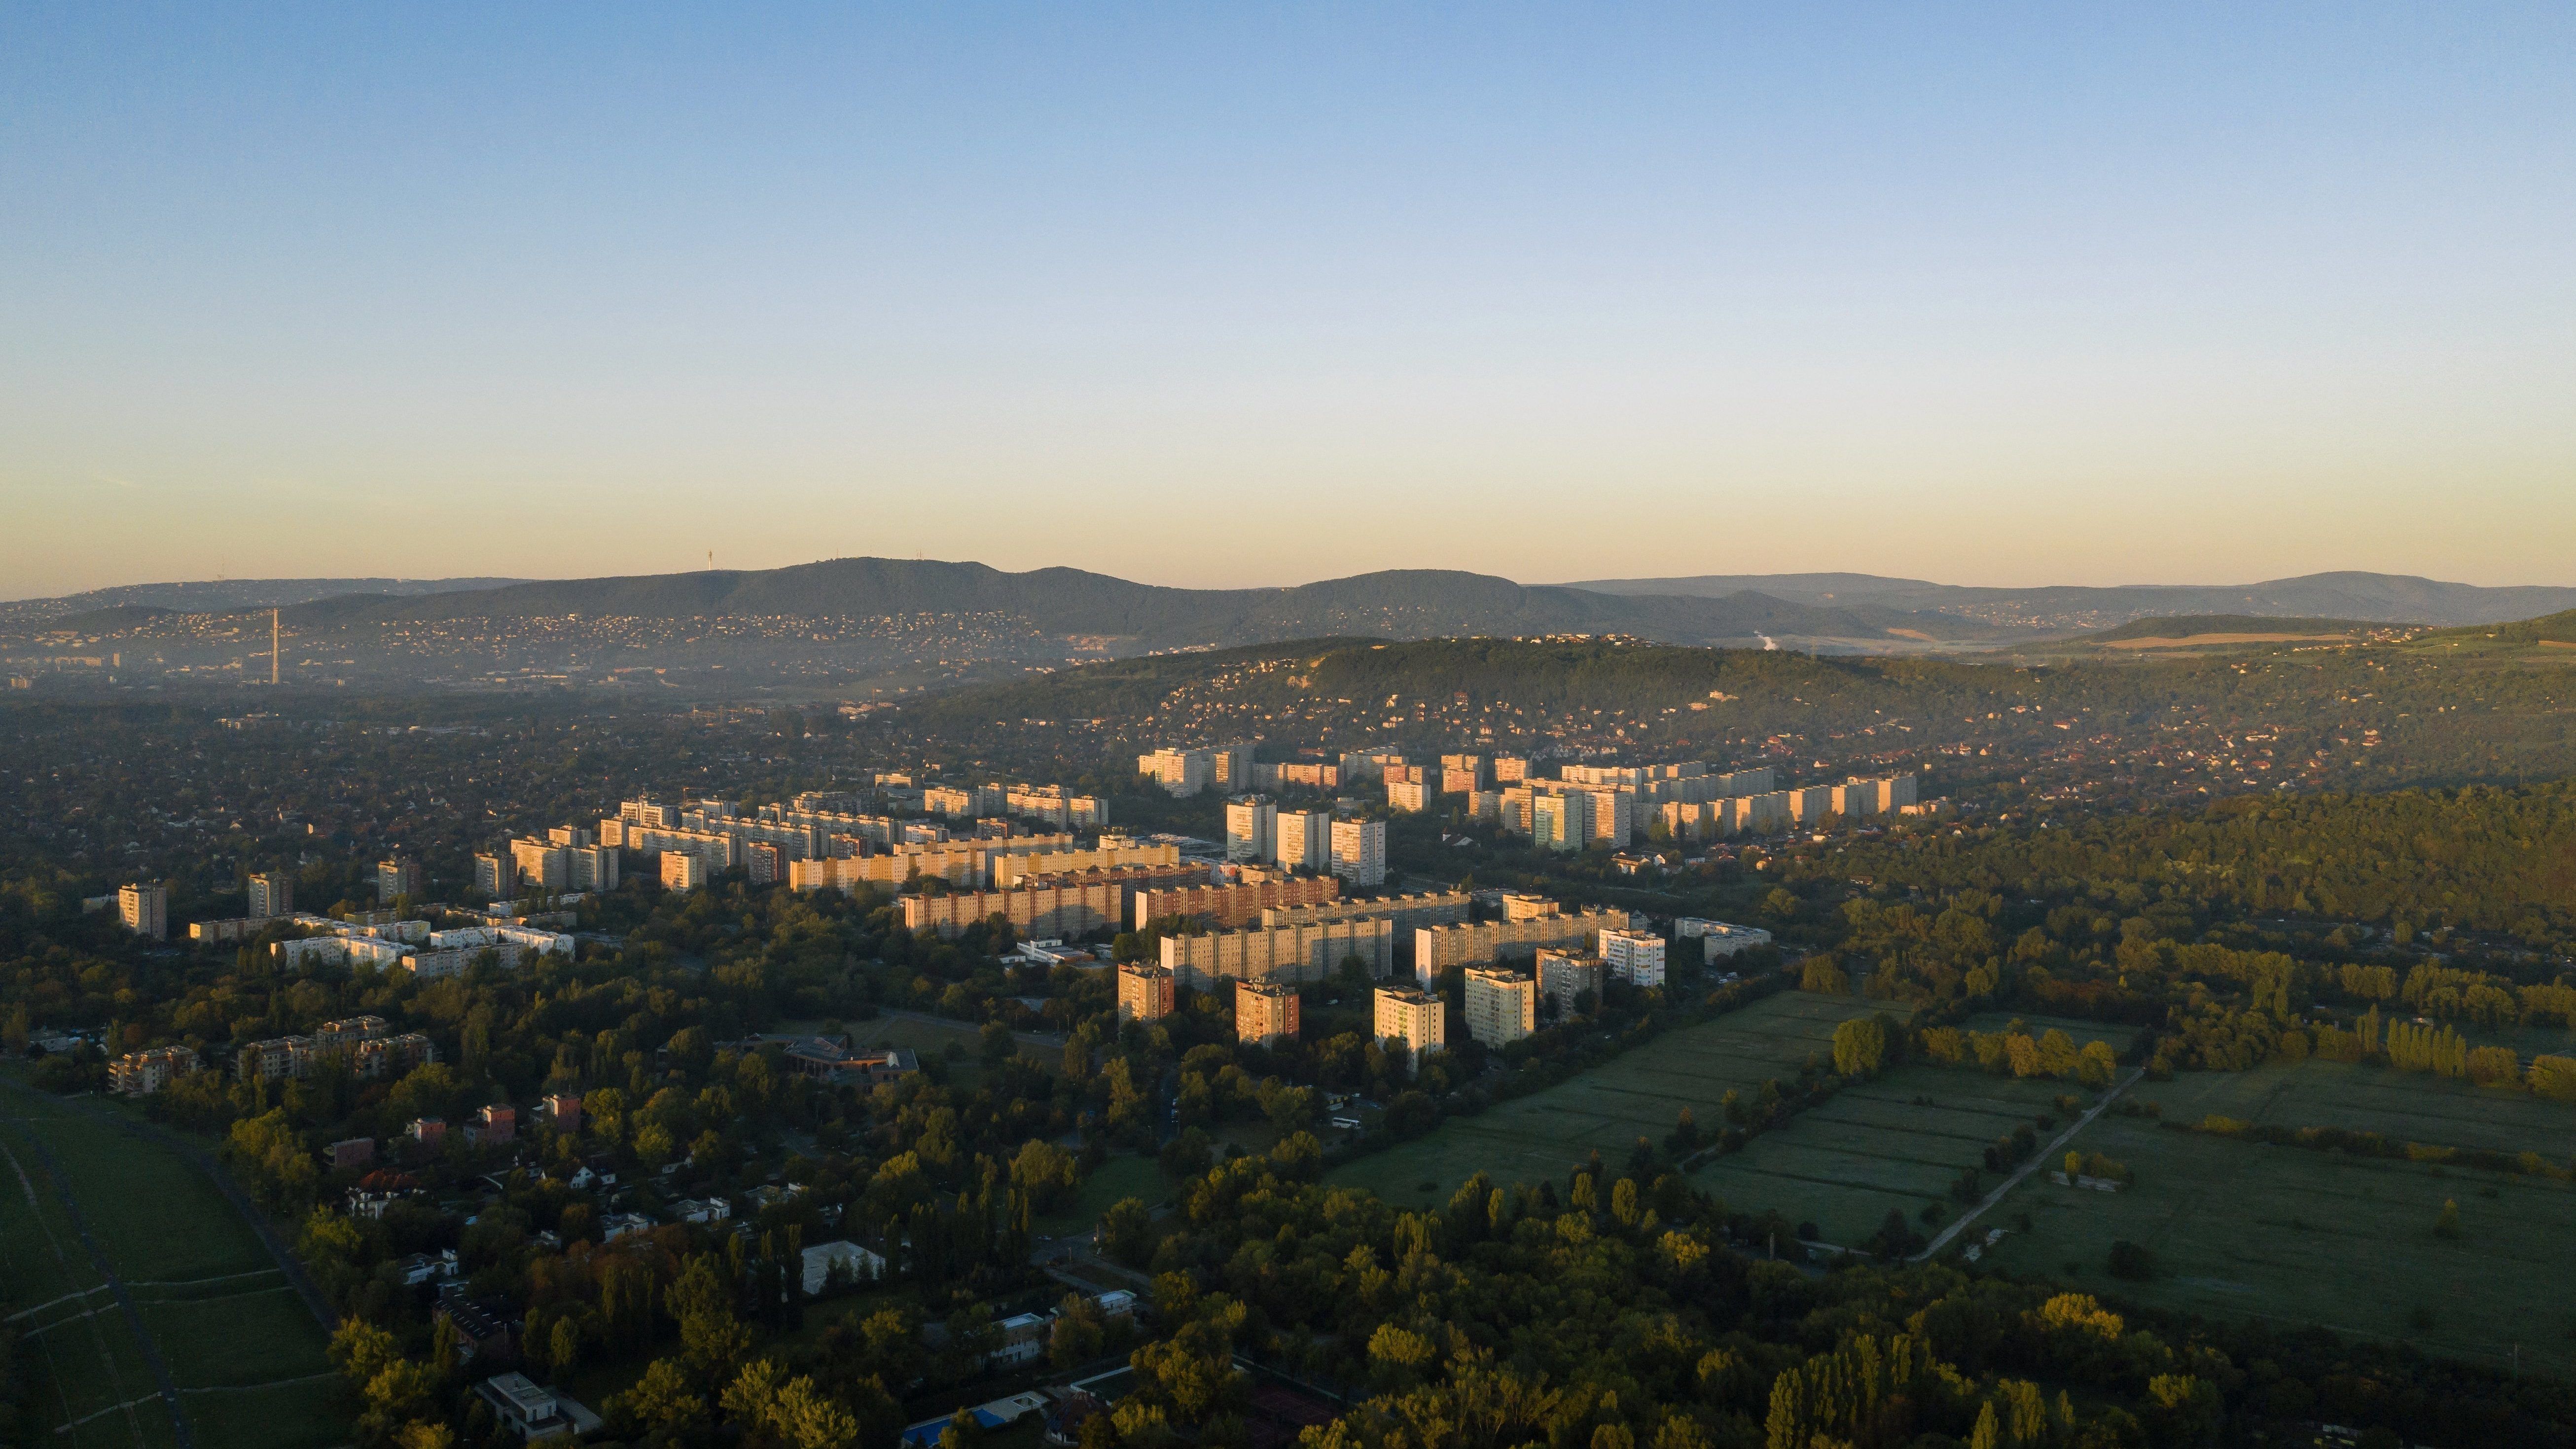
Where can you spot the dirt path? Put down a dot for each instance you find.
(2048, 1153)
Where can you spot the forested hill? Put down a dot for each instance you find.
(2371, 717)
(1412, 603)
(2194, 626)
(2345, 594)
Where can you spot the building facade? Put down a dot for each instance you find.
(1359, 852)
(1145, 992)
(1636, 957)
(1501, 1004)
(1265, 1012)
(144, 908)
(1413, 1019)
(1251, 827)
(272, 893)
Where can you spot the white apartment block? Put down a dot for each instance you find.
(447, 953)
(1303, 838)
(1251, 827)
(1437, 948)
(1359, 852)
(1501, 1004)
(1414, 1018)
(1717, 938)
(1409, 796)
(1636, 957)
(1181, 773)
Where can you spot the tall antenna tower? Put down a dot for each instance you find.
(272, 646)
(711, 560)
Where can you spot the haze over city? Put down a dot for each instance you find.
(1250, 296)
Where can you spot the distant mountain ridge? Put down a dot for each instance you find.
(1404, 603)
(2376, 598)
(219, 595)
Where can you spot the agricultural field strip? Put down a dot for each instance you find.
(2397, 1111)
(151, 1348)
(176, 1314)
(107, 1359)
(2317, 1201)
(48, 1324)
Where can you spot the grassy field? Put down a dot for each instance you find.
(1638, 1095)
(2238, 1228)
(245, 1355)
(1124, 1175)
(1897, 1142)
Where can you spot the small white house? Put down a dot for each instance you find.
(852, 1261)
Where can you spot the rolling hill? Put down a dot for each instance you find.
(2217, 627)
(2375, 598)
(1404, 604)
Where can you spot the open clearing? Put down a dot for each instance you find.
(2300, 1236)
(1638, 1095)
(240, 1348)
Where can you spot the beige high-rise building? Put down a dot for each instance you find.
(145, 909)
(1410, 796)
(682, 871)
(1560, 821)
(1810, 803)
(399, 877)
(1413, 1017)
(1230, 766)
(1359, 851)
(494, 876)
(1437, 948)
(1251, 827)
(1510, 769)
(1265, 1012)
(272, 893)
(1181, 773)
(1464, 774)
(1501, 1004)
(1522, 907)
(542, 865)
(1303, 839)
(1307, 951)
(1145, 992)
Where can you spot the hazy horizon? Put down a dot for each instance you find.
(505, 580)
(2197, 296)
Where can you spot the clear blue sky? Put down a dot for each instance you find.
(1204, 294)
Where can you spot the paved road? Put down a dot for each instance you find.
(2046, 1154)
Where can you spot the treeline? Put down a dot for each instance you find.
(2481, 858)
(1613, 1311)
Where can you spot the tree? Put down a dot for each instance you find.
(1126, 1232)
(1860, 1046)
(2448, 1225)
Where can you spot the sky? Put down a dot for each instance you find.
(1241, 295)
